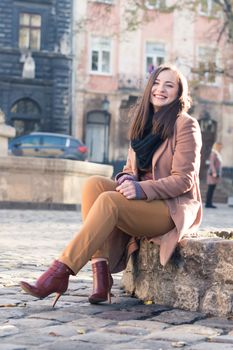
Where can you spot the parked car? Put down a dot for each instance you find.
(49, 145)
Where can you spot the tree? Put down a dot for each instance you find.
(137, 12)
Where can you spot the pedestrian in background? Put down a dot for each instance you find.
(214, 173)
(156, 196)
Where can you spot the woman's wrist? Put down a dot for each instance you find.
(140, 194)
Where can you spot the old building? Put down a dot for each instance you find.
(112, 66)
(36, 64)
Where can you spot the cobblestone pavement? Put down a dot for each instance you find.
(31, 239)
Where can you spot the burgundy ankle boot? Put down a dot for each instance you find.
(54, 280)
(102, 283)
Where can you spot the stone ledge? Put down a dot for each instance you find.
(199, 276)
(44, 180)
(39, 206)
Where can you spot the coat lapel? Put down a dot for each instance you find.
(159, 152)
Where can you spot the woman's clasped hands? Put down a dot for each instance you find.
(127, 188)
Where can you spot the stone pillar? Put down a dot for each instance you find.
(6, 132)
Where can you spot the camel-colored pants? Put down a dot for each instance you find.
(103, 209)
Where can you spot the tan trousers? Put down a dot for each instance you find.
(103, 208)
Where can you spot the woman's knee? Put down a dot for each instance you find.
(111, 198)
(100, 183)
(92, 181)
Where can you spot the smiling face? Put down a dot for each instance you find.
(165, 89)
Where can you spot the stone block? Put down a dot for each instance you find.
(199, 276)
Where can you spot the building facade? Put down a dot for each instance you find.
(112, 64)
(36, 64)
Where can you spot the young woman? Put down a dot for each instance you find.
(214, 173)
(156, 196)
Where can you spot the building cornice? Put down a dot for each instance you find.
(23, 81)
(45, 54)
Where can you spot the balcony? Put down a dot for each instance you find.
(131, 82)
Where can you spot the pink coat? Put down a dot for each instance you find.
(215, 166)
(175, 168)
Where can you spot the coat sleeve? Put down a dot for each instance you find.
(185, 163)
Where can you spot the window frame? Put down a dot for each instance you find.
(29, 29)
(43, 12)
(199, 61)
(210, 12)
(107, 2)
(154, 56)
(157, 6)
(91, 49)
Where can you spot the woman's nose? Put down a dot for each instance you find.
(160, 87)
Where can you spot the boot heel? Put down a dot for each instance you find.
(56, 298)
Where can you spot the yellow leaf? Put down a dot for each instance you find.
(148, 302)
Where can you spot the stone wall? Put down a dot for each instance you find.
(41, 180)
(198, 278)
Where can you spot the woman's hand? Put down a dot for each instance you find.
(127, 188)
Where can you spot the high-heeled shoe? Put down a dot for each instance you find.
(54, 280)
(102, 283)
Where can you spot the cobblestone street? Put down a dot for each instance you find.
(31, 239)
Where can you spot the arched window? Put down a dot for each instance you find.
(26, 107)
(25, 116)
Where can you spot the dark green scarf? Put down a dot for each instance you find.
(146, 146)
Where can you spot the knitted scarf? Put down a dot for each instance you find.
(146, 146)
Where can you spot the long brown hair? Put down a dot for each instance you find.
(167, 115)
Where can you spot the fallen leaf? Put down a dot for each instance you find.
(81, 331)
(178, 344)
(148, 302)
(53, 334)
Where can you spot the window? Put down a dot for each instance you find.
(26, 106)
(207, 64)
(29, 31)
(155, 55)
(207, 7)
(101, 55)
(53, 141)
(110, 2)
(25, 116)
(155, 4)
(30, 140)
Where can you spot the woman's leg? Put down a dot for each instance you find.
(209, 196)
(102, 279)
(56, 278)
(111, 209)
(93, 187)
